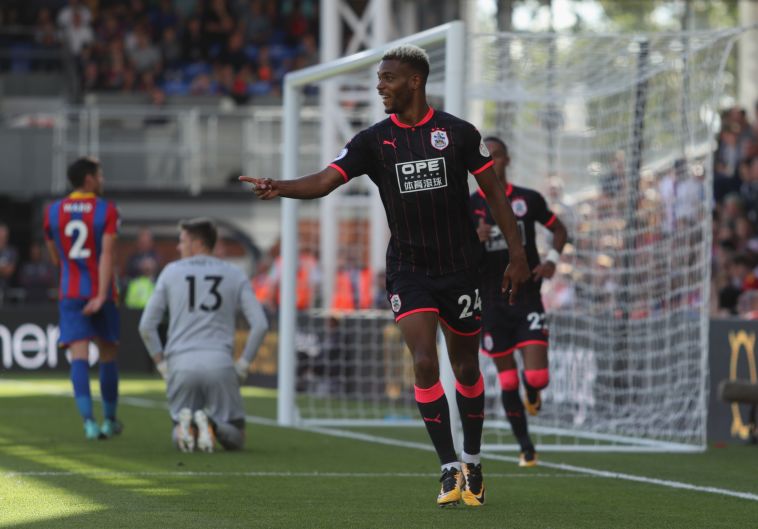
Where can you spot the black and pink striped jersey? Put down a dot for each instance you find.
(422, 175)
(529, 207)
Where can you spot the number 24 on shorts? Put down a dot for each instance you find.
(465, 300)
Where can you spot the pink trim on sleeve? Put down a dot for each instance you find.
(482, 168)
(340, 170)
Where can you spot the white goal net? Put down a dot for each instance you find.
(616, 132)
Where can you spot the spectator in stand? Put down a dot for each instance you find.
(171, 50)
(296, 25)
(74, 13)
(748, 305)
(217, 23)
(233, 53)
(45, 36)
(749, 187)
(740, 279)
(38, 276)
(145, 248)
(77, 34)
(8, 260)
(256, 24)
(163, 17)
(145, 57)
(264, 285)
(194, 47)
(139, 289)
(353, 285)
(726, 160)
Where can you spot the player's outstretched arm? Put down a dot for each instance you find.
(546, 269)
(315, 185)
(517, 270)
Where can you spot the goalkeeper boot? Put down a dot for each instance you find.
(473, 485)
(185, 437)
(527, 458)
(450, 492)
(92, 430)
(206, 438)
(111, 427)
(532, 400)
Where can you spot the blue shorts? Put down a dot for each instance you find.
(75, 326)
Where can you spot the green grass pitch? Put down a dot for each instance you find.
(50, 477)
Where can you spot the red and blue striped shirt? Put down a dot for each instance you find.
(76, 224)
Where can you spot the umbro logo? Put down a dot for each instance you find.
(392, 142)
(475, 416)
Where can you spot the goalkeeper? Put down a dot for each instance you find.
(202, 295)
(506, 327)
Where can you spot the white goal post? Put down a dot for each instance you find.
(626, 122)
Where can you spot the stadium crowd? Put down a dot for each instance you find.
(735, 215)
(238, 48)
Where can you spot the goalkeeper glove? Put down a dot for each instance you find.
(241, 367)
(162, 368)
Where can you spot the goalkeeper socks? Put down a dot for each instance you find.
(80, 381)
(470, 401)
(109, 388)
(436, 414)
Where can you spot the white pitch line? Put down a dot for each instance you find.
(148, 403)
(543, 463)
(180, 474)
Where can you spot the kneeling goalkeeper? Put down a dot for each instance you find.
(202, 295)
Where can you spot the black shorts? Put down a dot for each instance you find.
(454, 297)
(506, 328)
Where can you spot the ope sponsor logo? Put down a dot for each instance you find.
(30, 346)
(421, 175)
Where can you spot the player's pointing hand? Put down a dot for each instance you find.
(264, 188)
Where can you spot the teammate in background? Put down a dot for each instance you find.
(420, 158)
(80, 232)
(202, 294)
(507, 327)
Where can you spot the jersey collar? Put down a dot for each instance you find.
(81, 194)
(424, 120)
(508, 191)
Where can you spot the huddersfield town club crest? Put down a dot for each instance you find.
(395, 302)
(439, 139)
(519, 206)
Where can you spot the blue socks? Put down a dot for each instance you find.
(109, 388)
(80, 380)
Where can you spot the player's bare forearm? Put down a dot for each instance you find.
(315, 185)
(560, 234)
(105, 266)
